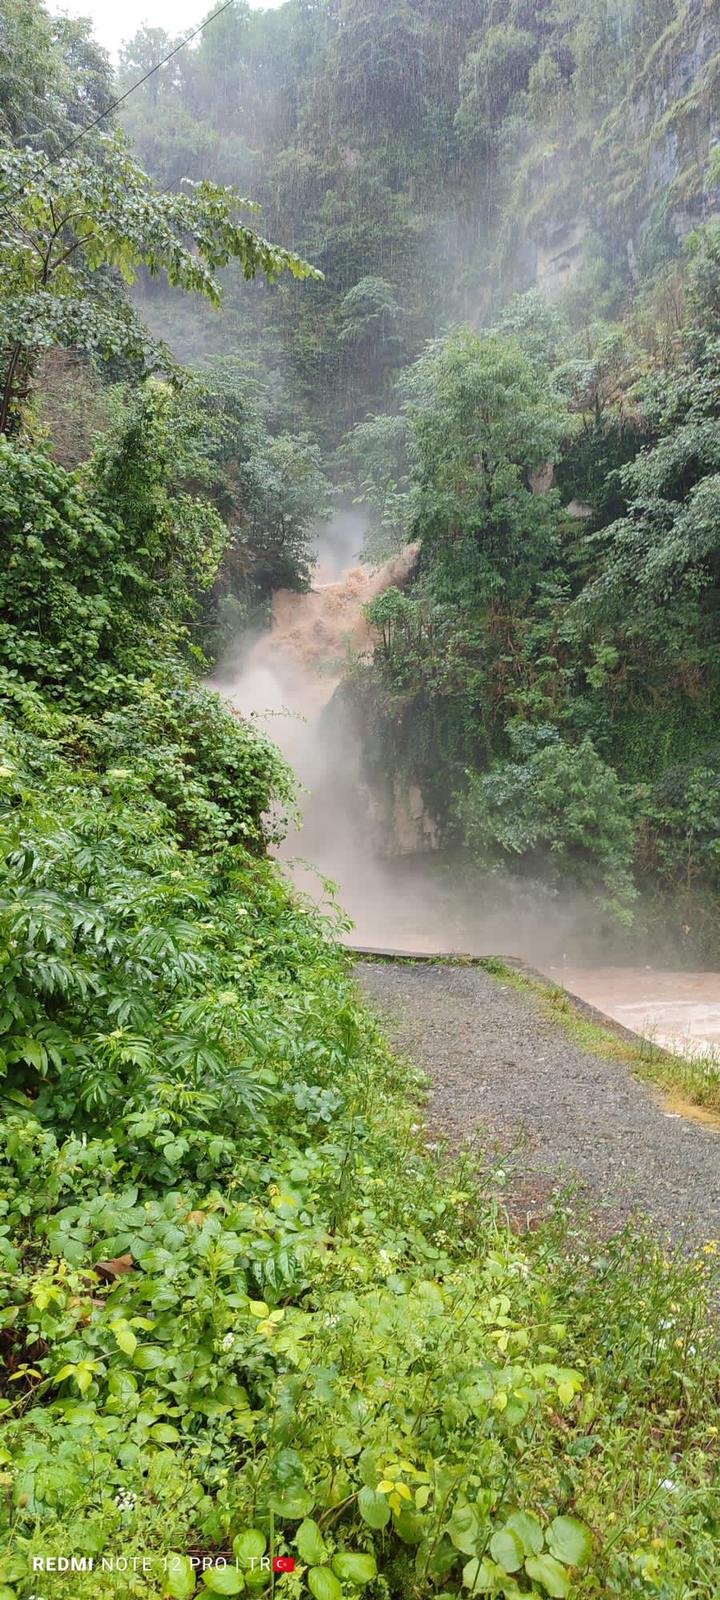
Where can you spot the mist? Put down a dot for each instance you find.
(399, 890)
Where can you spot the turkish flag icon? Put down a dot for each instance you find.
(283, 1564)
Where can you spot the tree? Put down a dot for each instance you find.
(102, 569)
(376, 456)
(557, 805)
(70, 229)
(490, 77)
(54, 78)
(482, 422)
(657, 578)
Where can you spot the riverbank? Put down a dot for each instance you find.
(516, 1070)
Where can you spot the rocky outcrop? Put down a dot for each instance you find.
(559, 256)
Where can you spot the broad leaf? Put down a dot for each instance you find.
(357, 1569)
(180, 1580)
(570, 1540)
(547, 1571)
(507, 1549)
(249, 1546)
(310, 1543)
(323, 1584)
(528, 1531)
(373, 1508)
(224, 1580)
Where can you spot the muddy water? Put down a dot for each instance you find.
(286, 679)
(679, 1010)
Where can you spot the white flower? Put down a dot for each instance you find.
(667, 1483)
(228, 1341)
(126, 1500)
(331, 1321)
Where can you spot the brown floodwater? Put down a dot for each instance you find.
(679, 1010)
(285, 679)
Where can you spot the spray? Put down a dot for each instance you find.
(287, 680)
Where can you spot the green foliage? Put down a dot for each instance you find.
(490, 77)
(375, 455)
(519, 615)
(241, 1309)
(556, 800)
(67, 222)
(205, 1289)
(98, 575)
(482, 422)
(54, 78)
(114, 1000)
(683, 825)
(441, 150)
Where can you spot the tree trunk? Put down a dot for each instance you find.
(9, 387)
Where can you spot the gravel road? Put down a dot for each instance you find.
(510, 1081)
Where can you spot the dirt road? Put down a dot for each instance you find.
(510, 1081)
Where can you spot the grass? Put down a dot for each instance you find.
(693, 1078)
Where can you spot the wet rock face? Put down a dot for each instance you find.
(560, 256)
(542, 480)
(400, 821)
(646, 165)
(414, 829)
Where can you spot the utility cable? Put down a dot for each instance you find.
(72, 143)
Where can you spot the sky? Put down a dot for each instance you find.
(116, 20)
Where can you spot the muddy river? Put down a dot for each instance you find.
(680, 1010)
(285, 679)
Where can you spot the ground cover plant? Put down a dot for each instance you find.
(244, 1308)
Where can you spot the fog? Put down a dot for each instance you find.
(399, 897)
(405, 899)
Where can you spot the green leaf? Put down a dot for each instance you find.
(164, 1433)
(125, 1337)
(570, 1540)
(464, 1529)
(528, 1530)
(224, 1580)
(352, 1568)
(506, 1548)
(373, 1508)
(180, 1580)
(249, 1546)
(292, 1503)
(409, 1525)
(310, 1543)
(477, 1576)
(323, 1584)
(148, 1357)
(547, 1571)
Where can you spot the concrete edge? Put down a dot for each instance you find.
(454, 958)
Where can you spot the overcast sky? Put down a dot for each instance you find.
(115, 20)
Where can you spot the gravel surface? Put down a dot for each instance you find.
(510, 1082)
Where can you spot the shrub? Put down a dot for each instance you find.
(557, 803)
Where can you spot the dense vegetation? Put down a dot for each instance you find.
(563, 655)
(242, 1306)
(529, 187)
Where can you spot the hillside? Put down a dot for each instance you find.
(260, 1334)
